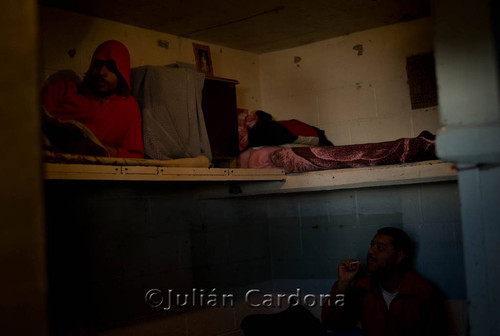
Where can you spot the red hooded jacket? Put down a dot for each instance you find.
(116, 119)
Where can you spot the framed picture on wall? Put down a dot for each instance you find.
(203, 59)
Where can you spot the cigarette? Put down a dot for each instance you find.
(354, 262)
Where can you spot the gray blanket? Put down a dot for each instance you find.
(172, 117)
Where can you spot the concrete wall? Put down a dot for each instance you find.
(355, 98)
(116, 241)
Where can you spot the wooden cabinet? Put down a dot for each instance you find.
(221, 118)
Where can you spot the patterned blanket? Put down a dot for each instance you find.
(303, 159)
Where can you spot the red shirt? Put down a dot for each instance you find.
(417, 309)
(115, 120)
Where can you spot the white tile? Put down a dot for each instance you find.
(379, 200)
(276, 92)
(426, 120)
(353, 101)
(341, 202)
(302, 107)
(440, 203)
(392, 96)
(338, 133)
(285, 238)
(280, 207)
(410, 205)
(378, 130)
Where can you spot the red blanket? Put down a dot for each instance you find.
(303, 159)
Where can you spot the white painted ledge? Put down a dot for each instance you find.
(349, 178)
(409, 173)
(261, 181)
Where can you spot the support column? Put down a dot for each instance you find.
(468, 84)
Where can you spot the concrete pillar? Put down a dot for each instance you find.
(468, 84)
(23, 287)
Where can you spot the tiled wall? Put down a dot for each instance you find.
(307, 234)
(128, 238)
(355, 98)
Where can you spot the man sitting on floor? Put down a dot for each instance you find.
(392, 300)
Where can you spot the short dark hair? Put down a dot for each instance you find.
(401, 242)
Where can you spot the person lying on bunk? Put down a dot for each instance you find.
(392, 300)
(103, 102)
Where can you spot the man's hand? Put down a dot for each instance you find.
(347, 270)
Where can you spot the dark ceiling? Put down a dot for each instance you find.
(257, 26)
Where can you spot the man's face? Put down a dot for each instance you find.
(382, 256)
(104, 76)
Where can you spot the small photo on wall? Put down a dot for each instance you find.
(203, 59)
